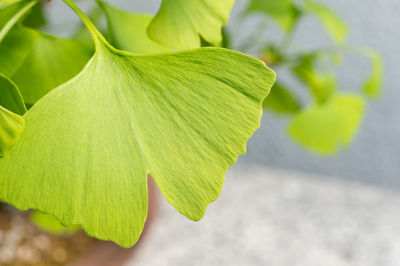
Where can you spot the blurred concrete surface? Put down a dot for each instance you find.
(277, 218)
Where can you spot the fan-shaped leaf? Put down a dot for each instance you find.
(178, 23)
(324, 128)
(90, 143)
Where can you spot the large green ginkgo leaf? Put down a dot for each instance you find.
(11, 109)
(327, 127)
(178, 23)
(38, 62)
(129, 31)
(89, 144)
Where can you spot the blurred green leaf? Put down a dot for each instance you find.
(326, 127)
(11, 98)
(38, 62)
(35, 18)
(129, 30)
(180, 23)
(50, 224)
(6, 3)
(334, 25)
(373, 85)
(281, 100)
(284, 12)
(322, 85)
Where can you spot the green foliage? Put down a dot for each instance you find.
(128, 31)
(281, 100)
(318, 125)
(284, 12)
(328, 126)
(39, 62)
(334, 25)
(179, 23)
(90, 143)
(11, 109)
(50, 224)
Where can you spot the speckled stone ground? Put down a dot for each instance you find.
(267, 217)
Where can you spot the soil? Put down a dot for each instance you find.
(21, 243)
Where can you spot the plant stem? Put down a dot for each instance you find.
(8, 26)
(97, 37)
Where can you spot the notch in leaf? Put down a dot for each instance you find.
(89, 144)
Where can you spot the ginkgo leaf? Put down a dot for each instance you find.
(38, 62)
(326, 127)
(10, 96)
(284, 12)
(373, 85)
(129, 30)
(334, 25)
(89, 144)
(281, 100)
(179, 23)
(50, 224)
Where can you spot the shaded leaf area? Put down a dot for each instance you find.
(10, 96)
(281, 100)
(179, 23)
(321, 85)
(6, 3)
(11, 109)
(326, 127)
(333, 24)
(8, 9)
(181, 117)
(284, 12)
(128, 30)
(50, 224)
(39, 62)
(35, 18)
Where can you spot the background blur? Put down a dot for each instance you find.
(282, 205)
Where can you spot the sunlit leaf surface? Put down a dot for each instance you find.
(90, 143)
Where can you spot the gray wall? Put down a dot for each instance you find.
(373, 157)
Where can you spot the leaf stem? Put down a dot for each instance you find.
(97, 37)
(8, 26)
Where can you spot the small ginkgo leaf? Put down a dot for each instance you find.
(284, 12)
(10, 97)
(129, 30)
(334, 25)
(373, 85)
(11, 126)
(179, 23)
(89, 144)
(325, 128)
(281, 100)
(48, 223)
(38, 62)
